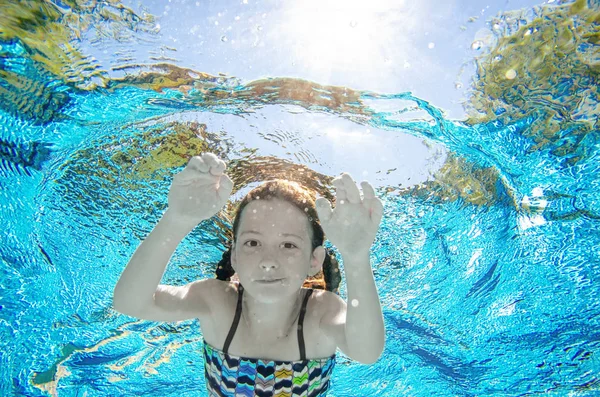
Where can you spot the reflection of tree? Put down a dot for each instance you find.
(125, 172)
(459, 179)
(206, 91)
(547, 68)
(50, 33)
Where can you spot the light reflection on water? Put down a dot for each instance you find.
(486, 262)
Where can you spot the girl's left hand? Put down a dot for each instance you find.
(354, 222)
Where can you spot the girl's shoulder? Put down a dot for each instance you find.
(226, 292)
(223, 296)
(329, 303)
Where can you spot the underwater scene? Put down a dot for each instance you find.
(477, 124)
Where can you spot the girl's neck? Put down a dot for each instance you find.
(271, 320)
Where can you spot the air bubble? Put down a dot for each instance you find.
(510, 74)
(431, 45)
(224, 39)
(353, 24)
(354, 302)
(476, 45)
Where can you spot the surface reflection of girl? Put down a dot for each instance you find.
(250, 347)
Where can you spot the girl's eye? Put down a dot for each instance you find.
(289, 245)
(251, 243)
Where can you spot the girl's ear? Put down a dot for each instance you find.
(233, 257)
(316, 260)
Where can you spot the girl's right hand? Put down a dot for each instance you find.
(200, 190)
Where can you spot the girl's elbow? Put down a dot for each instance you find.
(369, 359)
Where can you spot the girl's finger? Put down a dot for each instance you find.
(376, 210)
(324, 210)
(340, 190)
(225, 187)
(198, 164)
(210, 159)
(218, 169)
(352, 192)
(368, 191)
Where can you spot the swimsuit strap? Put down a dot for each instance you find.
(236, 319)
(300, 322)
(238, 314)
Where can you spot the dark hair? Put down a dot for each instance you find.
(329, 277)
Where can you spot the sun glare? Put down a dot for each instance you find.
(340, 34)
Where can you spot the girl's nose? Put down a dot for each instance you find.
(268, 262)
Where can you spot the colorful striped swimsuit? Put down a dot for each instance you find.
(232, 376)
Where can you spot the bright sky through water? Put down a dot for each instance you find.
(386, 46)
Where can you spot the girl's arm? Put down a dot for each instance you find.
(358, 329)
(138, 293)
(197, 193)
(365, 330)
(357, 326)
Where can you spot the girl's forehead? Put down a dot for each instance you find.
(273, 213)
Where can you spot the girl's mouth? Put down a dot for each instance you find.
(269, 281)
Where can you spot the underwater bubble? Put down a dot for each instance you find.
(354, 302)
(353, 24)
(510, 74)
(431, 45)
(476, 45)
(224, 39)
(458, 85)
(406, 65)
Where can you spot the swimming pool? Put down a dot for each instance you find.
(487, 259)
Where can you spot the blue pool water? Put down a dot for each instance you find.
(487, 259)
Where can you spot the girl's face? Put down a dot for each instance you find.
(272, 253)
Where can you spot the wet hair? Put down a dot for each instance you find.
(329, 277)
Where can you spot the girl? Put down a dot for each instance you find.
(250, 347)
